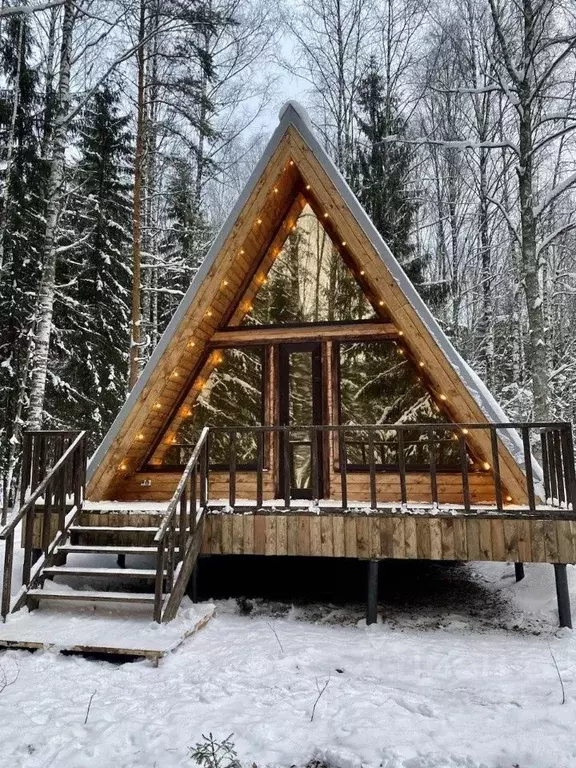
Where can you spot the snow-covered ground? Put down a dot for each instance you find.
(455, 686)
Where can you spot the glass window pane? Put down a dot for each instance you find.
(232, 396)
(309, 282)
(378, 385)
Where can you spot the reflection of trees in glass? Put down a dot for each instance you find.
(309, 282)
(380, 386)
(232, 396)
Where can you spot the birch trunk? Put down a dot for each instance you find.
(136, 309)
(46, 293)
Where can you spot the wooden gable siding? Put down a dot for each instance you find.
(152, 412)
(441, 376)
(159, 486)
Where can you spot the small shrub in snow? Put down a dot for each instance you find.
(211, 753)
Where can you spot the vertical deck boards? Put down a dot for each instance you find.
(378, 536)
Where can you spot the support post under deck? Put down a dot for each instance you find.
(372, 602)
(563, 596)
(519, 571)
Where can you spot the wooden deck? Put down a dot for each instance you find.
(420, 531)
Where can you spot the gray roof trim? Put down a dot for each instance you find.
(293, 114)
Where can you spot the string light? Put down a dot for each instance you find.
(191, 344)
(421, 364)
(157, 406)
(123, 467)
(381, 303)
(307, 186)
(175, 374)
(508, 498)
(258, 221)
(486, 465)
(464, 431)
(224, 283)
(400, 333)
(242, 251)
(343, 243)
(275, 190)
(209, 313)
(291, 162)
(325, 215)
(140, 436)
(362, 272)
(443, 397)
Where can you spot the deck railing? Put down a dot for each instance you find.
(544, 450)
(53, 488)
(179, 538)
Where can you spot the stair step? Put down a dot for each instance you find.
(96, 549)
(119, 573)
(90, 596)
(112, 529)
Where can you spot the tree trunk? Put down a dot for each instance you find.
(45, 301)
(136, 311)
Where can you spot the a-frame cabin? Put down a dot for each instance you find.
(303, 401)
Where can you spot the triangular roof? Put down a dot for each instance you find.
(294, 169)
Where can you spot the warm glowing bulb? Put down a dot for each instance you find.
(421, 364)
(225, 283)
(443, 397)
(276, 190)
(508, 498)
(343, 243)
(291, 162)
(242, 251)
(140, 436)
(381, 303)
(174, 440)
(307, 186)
(325, 215)
(157, 406)
(400, 333)
(209, 313)
(191, 344)
(400, 351)
(123, 467)
(486, 465)
(464, 431)
(175, 374)
(258, 221)
(362, 272)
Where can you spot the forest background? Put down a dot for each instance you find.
(128, 128)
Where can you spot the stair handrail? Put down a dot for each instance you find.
(74, 458)
(178, 560)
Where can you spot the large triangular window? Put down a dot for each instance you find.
(309, 281)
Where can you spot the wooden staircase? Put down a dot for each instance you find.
(171, 548)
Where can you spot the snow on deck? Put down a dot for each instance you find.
(120, 629)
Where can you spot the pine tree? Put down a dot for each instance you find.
(21, 209)
(92, 319)
(382, 170)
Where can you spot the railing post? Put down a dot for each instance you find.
(259, 468)
(496, 468)
(342, 461)
(528, 466)
(569, 466)
(314, 462)
(287, 465)
(232, 470)
(545, 465)
(7, 576)
(464, 469)
(432, 460)
(401, 465)
(559, 466)
(159, 588)
(26, 465)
